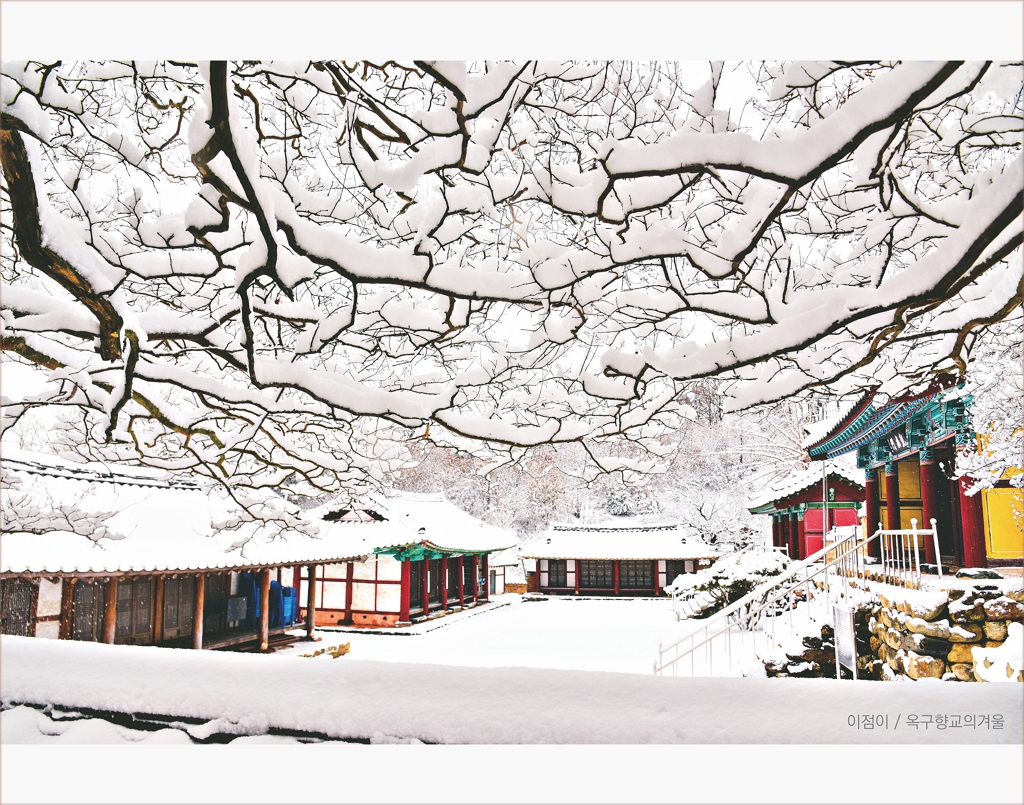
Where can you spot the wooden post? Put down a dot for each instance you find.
(197, 611)
(576, 576)
(615, 575)
(110, 611)
(929, 507)
(973, 524)
(425, 586)
(487, 575)
(872, 513)
(655, 567)
(350, 574)
(892, 496)
(403, 606)
(158, 610)
(67, 603)
(794, 541)
(297, 582)
(444, 583)
(310, 600)
(462, 581)
(476, 579)
(265, 609)
(801, 535)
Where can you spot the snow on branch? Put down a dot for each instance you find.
(282, 270)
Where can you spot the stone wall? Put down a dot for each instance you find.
(930, 635)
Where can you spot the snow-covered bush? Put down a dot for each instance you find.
(729, 579)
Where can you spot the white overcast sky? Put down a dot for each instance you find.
(472, 30)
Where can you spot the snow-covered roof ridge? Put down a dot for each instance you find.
(655, 542)
(612, 529)
(413, 518)
(801, 481)
(92, 472)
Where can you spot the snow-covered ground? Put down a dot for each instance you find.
(565, 633)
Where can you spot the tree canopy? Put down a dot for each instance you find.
(271, 271)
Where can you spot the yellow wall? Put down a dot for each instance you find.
(1004, 523)
(909, 473)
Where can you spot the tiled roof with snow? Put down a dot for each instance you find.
(610, 542)
(412, 518)
(163, 528)
(801, 481)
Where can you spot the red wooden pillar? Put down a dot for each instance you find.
(350, 574)
(972, 525)
(892, 496)
(403, 607)
(615, 575)
(576, 576)
(654, 564)
(444, 582)
(872, 514)
(296, 578)
(801, 535)
(929, 500)
(426, 586)
(485, 560)
(775, 531)
(462, 581)
(794, 540)
(476, 578)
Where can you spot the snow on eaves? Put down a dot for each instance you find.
(610, 543)
(818, 431)
(801, 481)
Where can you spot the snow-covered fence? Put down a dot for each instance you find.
(806, 589)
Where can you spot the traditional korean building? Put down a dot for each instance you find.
(803, 508)
(614, 560)
(424, 557)
(164, 576)
(907, 448)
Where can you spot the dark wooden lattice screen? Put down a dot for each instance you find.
(179, 604)
(673, 568)
(556, 573)
(215, 606)
(434, 581)
(134, 611)
(87, 611)
(636, 575)
(597, 575)
(16, 607)
(416, 584)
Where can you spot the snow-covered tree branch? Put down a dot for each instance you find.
(278, 271)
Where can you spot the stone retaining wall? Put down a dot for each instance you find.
(930, 635)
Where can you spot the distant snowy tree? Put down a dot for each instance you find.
(994, 379)
(263, 271)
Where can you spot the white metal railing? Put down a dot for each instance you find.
(808, 587)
